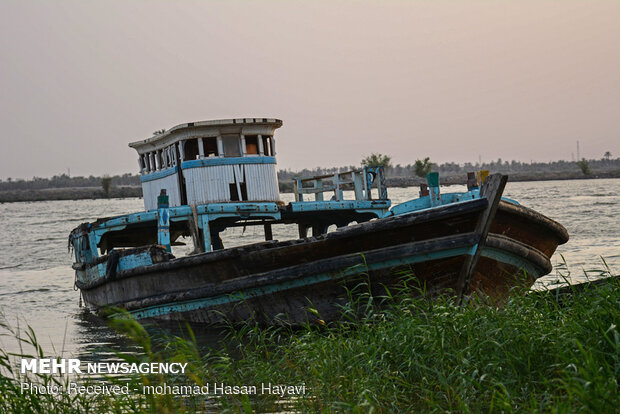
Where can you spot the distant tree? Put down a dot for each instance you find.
(422, 167)
(106, 184)
(584, 165)
(607, 155)
(376, 160)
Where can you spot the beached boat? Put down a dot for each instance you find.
(201, 178)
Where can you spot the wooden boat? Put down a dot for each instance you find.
(201, 178)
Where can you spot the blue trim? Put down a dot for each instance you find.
(238, 208)
(180, 213)
(510, 200)
(211, 161)
(297, 206)
(202, 303)
(409, 206)
(158, 174)
(512, 259)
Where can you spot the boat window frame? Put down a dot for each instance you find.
(210, 147)
(189, 144)
(248, 145)
(230, 138)
(267, 142)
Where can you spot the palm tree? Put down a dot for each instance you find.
(377, 160)
(422, 167)
(106, 184)
(584, 165)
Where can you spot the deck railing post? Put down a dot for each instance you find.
(423, 190)
(472, 181)
(337, 190)
(367, 183)
(299, 196)
(163, 220)
(206, 233)
(432, 179)
(381, 187)
(358, 185)
(268, 232)
(318, 184)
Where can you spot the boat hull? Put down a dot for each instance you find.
(529, 227)
(312, 279)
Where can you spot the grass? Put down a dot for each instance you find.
(536, 353)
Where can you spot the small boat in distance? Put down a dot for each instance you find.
(200, 178)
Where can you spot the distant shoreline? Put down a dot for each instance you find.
(127, 191)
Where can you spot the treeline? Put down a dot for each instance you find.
(535, 169)
(65, 181)
(452, 168)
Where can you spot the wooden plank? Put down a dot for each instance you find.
(492, 190)
(268, 232)
(335, 264)
(303, 231)
(193, 230)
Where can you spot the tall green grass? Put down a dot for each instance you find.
(537, 352)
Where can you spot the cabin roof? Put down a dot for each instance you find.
(156, 139)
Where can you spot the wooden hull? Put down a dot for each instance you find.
(529, 227)
(282, 281)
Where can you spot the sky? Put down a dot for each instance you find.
(454, 81)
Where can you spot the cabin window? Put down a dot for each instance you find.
(231, 145)
(210, 146)
(251, 144)
(267, 145)
(190, 147)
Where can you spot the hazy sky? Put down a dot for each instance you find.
(451, 80)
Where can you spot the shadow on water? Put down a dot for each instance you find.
(97, 341)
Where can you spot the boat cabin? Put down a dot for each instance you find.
(219, 161)
(201, 178)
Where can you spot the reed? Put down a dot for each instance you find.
(537, 352)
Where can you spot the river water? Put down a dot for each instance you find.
(36, 279)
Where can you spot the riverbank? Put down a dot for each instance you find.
(534, 354)
(127, 191)
(69, 193)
